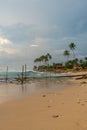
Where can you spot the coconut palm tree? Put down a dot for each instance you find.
(80, 61)
(66, 53)
(86, 58)
(49, 57)
(37, 60)
(75, 61)
(42, 58)
(46, 59)
(72, 47)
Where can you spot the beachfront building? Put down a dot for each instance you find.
(59, 66)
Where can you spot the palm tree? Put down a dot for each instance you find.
(75, 60)
(66, 53)
(72, 47)
(46, 59)
(49, 57)
(42, 58)
(86, 58)
(37, 60)
(80, 61)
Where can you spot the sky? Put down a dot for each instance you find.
(30, 28)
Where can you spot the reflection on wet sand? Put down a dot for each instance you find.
(12, 90)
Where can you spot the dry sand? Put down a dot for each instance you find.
(65, 109)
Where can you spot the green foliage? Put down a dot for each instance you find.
(74, 63)
(66, 53)
(43, 60)
(35, 68)
(69, 65)
(84, 64)
(72, 47)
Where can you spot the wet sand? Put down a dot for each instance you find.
(63, 109)
(14, 90)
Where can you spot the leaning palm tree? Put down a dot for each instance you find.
(72, 47)
(42, 58)
(37, 60)
(66, 53)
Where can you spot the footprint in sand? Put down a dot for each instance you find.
(55, 116)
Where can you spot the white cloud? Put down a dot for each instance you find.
(37, 42)
(6, 46)
(4, 41)
(33, 45)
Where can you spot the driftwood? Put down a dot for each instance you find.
(82, 77)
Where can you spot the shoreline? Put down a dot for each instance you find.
(63, 109)
(47, 75)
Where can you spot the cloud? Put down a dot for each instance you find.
(6, 46)
(33, 45)
(4, 41)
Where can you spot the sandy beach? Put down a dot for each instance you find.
(64, 109)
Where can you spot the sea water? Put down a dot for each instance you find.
(14, 74)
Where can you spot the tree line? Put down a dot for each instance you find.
(43, 61)
(74, 62)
